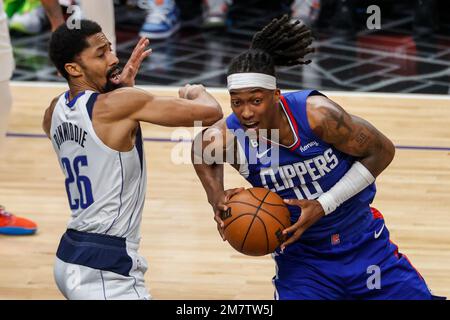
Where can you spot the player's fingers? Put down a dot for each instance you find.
(127, 73)
(138, 50)
(142, 50)
(230, 193)
(182, 91)
(293, 228)
(146, 42)
(218, 217)
(292, 202)
(134, 54)
(291, 239)
(222, 234)
(143, 42)
(146, 54)
(187, 87)
(296, 202)
(220, 226)
(141, 58)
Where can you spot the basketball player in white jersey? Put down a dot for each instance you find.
(95, 131)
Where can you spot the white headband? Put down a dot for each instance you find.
(251, 80)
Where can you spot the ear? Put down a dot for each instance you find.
(73, 69)
(277, 95)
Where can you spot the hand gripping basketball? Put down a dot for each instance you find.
(254, 221)
(220, 208)
(312, 211)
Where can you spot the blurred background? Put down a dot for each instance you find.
(403, 47)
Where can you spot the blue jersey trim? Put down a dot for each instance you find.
(139, 146)
(71, 103)
(97, 251)
(297, 102)
(292, 122)
(90, 104)
(233, 122)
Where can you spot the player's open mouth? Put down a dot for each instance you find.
(251, 125)
(114, 75)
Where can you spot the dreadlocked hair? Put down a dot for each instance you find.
(280, 43)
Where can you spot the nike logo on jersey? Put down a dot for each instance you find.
(378, 234)
(260, 155)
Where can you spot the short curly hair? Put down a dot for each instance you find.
(66, 43)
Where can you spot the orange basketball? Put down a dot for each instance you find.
(254, 222)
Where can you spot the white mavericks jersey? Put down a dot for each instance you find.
(105, 188)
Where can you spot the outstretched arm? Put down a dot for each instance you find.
(349, 134)
(134, 105)
(54, 12)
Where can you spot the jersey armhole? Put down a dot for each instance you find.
(304, 115)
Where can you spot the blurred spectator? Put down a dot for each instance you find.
(215, 13)
(29, 16)
(163, 19)
(25, 16)
(102, 12)
(306, 11)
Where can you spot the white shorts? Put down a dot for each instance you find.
(80, 281)
(6, 54)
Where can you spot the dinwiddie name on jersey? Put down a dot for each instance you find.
(69, 132)
(307, 172)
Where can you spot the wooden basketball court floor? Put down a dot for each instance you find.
(187, 259)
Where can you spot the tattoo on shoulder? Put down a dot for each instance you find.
(334, 124)
(362, 138)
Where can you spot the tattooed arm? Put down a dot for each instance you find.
(349, 134)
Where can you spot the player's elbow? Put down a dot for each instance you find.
(213, 115)
(388, 151)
